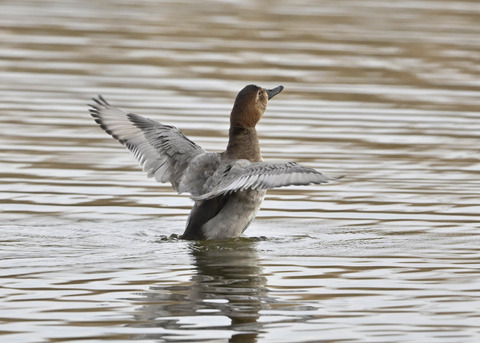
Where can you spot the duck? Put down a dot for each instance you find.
(227, 187)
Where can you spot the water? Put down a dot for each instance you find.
(385, 93)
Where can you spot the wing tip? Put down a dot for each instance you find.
(95, 111)
(100, 100)
(99, 104)
(335, 178)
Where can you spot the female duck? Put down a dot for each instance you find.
(228, 187)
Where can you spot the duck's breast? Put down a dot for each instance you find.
(235, 213)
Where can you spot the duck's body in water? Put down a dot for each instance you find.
(228, 187)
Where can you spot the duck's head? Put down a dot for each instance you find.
(250, 104)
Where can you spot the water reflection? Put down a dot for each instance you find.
(227, 292)
(385, 92)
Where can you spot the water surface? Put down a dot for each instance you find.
(385, 93)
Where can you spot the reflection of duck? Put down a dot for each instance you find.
(230, 272)
(227, 187)
(227, 284)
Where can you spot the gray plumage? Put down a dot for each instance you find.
(227, 192)
(162, 150)
(244, 175)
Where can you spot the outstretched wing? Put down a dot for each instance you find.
(163, 151)
(243, 175)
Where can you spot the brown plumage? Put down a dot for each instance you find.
(228, 187)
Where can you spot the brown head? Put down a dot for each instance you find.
(250, 104)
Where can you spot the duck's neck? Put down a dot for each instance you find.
(243, 144)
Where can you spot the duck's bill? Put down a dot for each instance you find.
(274, 91)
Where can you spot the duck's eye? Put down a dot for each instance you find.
(260, 92)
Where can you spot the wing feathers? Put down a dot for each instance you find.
(163, 151)
(243, 175)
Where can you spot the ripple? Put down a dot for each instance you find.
(385, 93)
